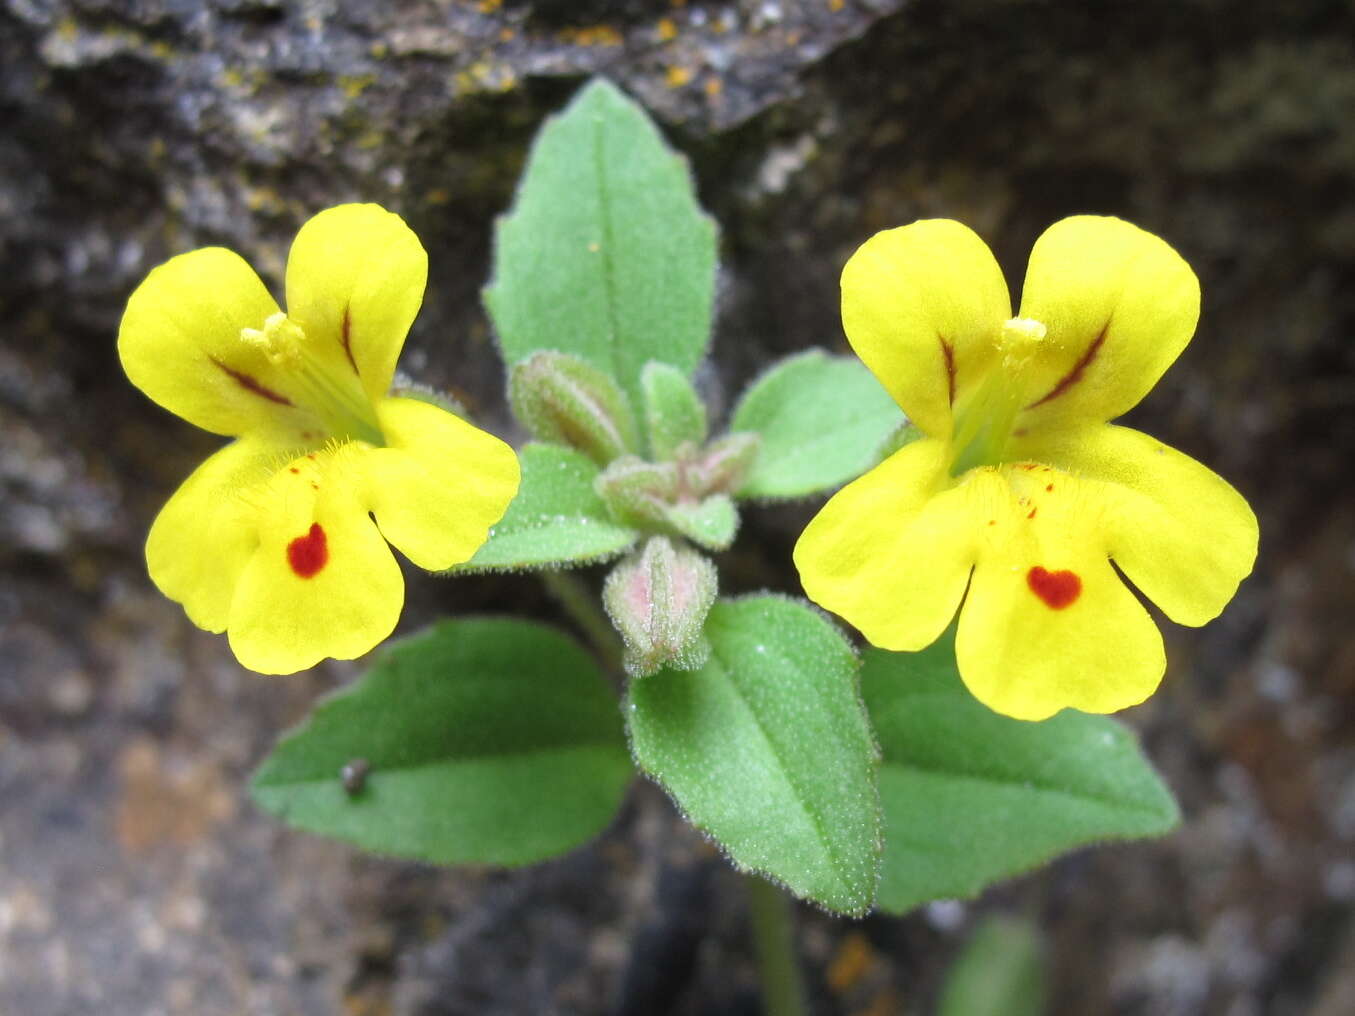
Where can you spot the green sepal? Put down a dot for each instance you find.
(823, 420)
(674, 413)
(556, 519)
(721, 466)
(711, 522)
(564, 400)
(487, 741)
(405, 387)
(605, 254)
(767, 749)
(971, 797)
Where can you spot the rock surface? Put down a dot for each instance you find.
(134, 875)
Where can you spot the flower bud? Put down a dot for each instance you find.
(658, 600)
(722, 465)
(566, 400)
(660, 496)
(638, 492)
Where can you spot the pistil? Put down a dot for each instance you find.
(984, 425)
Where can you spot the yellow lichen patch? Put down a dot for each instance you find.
(676, 77)
(836, 5)
(668, 29)
(488, 6)
(713, 86)
(593, 35)
(264, 199)
(67, 29)
(354, 85)
(851, 961)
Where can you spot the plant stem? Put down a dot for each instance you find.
(582, 606)
(770, 915)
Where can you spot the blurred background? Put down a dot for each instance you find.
(135, 876)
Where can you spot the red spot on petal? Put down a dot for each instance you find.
(308, 554)
(1049, 488)
(1058, 589)
(992, 522)
(1032, 513)
(295, 470)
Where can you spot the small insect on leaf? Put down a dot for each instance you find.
(354, 775)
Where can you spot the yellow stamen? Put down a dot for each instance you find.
(331, 391)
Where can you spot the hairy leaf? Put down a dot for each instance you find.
(606, 254)
(483, 741)
(971, 797)
(823, 421)
(767, 749)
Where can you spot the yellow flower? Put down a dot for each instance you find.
(1020, 495)
(272, 538)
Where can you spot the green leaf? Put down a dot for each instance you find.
(711, 523)
(767, 748)
(674, 413)
(606, 254)
(487, 741)
(823, 420)
(971, 797)
(1001, 972)
(557, 517)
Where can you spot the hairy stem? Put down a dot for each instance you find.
(770, 916)
(582, 606)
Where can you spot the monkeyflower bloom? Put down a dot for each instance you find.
(272, 539)
(1021, 501)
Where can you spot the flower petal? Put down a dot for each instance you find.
(355, 280)
(1047, 623)
(1024, 659)
(1179, 531)
(439, 483)
(180, 344)
(205, 534)
(1119, 305)
(322, 582)
(891, 552)
(922, 306)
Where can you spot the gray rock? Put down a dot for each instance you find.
(135, 877)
